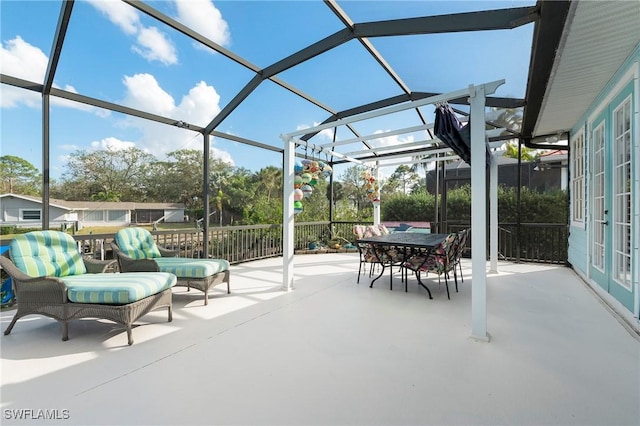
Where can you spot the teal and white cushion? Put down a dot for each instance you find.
(191, 268)
(137, 243)
(116, 289)
(46, 253)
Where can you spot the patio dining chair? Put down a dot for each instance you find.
(462, 242)
(136, 251)
(439, 261)
(368, 255)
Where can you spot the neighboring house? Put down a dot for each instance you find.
(26, 211)
(593, 94)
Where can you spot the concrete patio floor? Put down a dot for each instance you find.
(334, 352)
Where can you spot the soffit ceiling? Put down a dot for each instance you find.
(598, 37)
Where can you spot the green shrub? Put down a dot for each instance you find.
(536, 207)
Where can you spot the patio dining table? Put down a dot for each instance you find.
(398, 247)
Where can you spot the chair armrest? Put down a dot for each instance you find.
(30, 289)
(95, 266)
(127, 264)
(168, 253)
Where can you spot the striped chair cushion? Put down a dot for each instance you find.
(116, 289)
(46, 253)
(191, 268)
(137, 243)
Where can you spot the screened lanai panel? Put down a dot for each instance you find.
(122, 55)
(27, 30)
(344, 77)
(98, 129)
(446, 62)
(23, 107)
(267, 112)
(264, 32)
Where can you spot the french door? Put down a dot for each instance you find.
(611, 199)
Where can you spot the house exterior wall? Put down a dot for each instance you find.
(12, 211)
(599, 198)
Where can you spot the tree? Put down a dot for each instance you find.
(179, 178)
(353, 190)
(121, 174)
(219, 177)
(269, 180)
(18, 176)
(403, 178)
(528, 154)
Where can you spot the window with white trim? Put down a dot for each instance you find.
(117, 216)
(577, 181)
(94, 216)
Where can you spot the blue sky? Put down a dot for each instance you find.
(115, 53)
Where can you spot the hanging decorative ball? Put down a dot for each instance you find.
(298, 194)
(298, 167)
(306, 190)
(314, 180)
(297, 207)
(326, 170)
(297, 181)
(306, 177)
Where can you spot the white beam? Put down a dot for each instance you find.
(488, 88)
(379, 135)
(429, 160)
(288, 227)
(319, 149)
(378, 149)
(376, 206)
(478, 217)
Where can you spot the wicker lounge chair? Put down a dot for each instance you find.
(136, 251)
(51, 278)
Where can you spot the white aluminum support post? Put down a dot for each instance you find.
(376, 206)
(478, 217)
(493, 215)
(288, 228)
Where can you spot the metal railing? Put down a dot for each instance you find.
(531, 242)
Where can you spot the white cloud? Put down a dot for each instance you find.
(198, 106)
(203, 17)
(112, 144)
(153, 44)
(120, 13)
(201, 104)
(23, 60)
(144, 93)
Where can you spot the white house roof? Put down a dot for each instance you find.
(101, 205)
